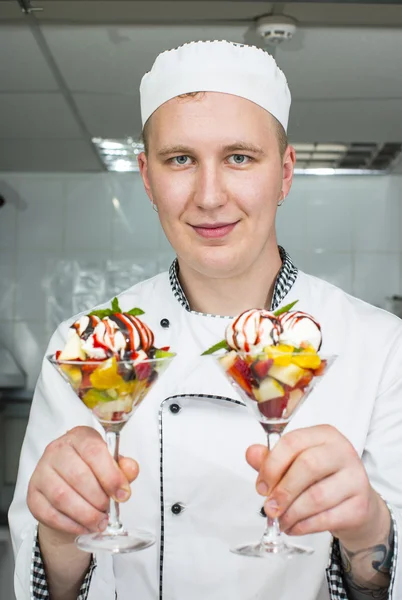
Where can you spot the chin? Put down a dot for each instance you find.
(219, 263)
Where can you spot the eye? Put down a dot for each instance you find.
(239, 159)
(180, 160)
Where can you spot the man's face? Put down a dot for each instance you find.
(215, 173)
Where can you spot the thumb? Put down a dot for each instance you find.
(129, 467)
(255, 455)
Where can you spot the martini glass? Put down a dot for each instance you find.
(112, 390)
(274, 385)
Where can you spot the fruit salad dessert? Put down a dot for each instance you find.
(273, 358)
(111, 361)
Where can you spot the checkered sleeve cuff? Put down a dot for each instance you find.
(39, 589)
(336, 585)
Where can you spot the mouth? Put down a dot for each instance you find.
(214, 230)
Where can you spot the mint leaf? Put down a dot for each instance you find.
(101, 313)
(115, 306)
(219, 346)
(135, 312)
(107, 312)
(284, 309)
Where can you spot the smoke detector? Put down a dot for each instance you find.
(276, 29)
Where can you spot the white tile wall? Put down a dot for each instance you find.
(7, 283)
(88, 213)
(135, 225)
(31, 268)
(376, 274)
(344, 229)
(40, 226)
(8, 223)
(376, 223)
(335, 267)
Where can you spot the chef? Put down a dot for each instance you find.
(216, 167)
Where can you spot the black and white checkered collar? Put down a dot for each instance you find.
(283, 284)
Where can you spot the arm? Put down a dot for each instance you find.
(55, 410)
(68, 494)
(65, 566)
(367, 571)
(319, 483)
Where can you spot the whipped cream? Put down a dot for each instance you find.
(252, 330)
(85, 325)
(120, 334)
(298, 328)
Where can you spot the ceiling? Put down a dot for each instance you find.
(72, 71)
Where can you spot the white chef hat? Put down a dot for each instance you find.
(216, 66)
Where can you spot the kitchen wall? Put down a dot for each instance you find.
(344, 229)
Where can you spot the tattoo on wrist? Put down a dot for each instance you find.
(367, 572)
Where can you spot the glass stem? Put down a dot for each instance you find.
(114, 525)
(272, 535)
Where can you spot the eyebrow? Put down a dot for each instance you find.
(234, 148)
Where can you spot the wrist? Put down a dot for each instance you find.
(65, 565)
(50, 537)
(374, 531)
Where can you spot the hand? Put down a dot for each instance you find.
(70, 488)
(315, 481)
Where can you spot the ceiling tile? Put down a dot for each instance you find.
(36, 116)
(151, 11)
(47, 155)
(343, 63)
(22, 66)
(110, 115)
(345, 121)
(114, 59)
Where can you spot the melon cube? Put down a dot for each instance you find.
(73, 349)
(227, 360)
(268, 390)
(289, 374)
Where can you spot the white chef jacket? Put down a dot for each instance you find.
(193, 454)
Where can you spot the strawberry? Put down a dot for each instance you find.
(305, 380)
(260, 368)
(321, 369)
(90, 366)
(295, 397)
(241, 373)
(117, 415)
(273, 409)
(143, 371)
(86, 382)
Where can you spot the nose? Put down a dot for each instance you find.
(210, 190)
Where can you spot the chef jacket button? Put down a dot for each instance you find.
(175, 408)
(165, 323)
(262, 512)
(176, 508)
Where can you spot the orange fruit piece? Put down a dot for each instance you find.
(106, 376)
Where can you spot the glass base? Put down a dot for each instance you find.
(263, 549)
(116, 543)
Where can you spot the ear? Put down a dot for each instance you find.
(143, 166)
(289, 161)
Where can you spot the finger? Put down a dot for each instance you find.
(45, 513)
(77, 474)
(129, 467)
(320, 497)
(255, 455)
(340, 517)
(290, 446)
(66, 501)
(94, 452)
(309, 467)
